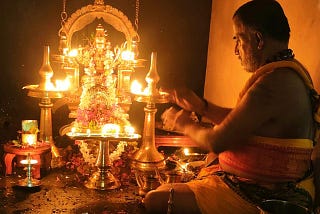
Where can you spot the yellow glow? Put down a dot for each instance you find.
(136, 87)
(28, 161)
(110, 129)
(65, 51)
(29, 139)
(129, 130)
(63, 85)
(73, 53)
(49, 86)
(60, 85)
(73, 130)
(147, 91)
(127, 55)
(88, 132)
(186, 151)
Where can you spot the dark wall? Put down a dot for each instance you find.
(178, 30)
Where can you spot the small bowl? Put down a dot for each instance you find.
(283, 207)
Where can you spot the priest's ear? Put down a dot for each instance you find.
(259, 39)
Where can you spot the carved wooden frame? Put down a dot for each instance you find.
(86, 15)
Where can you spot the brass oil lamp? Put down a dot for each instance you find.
(29, 181)
(147, 162)
(46, 91)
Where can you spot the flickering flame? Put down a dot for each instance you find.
(186, 151)
(49, 86)
(73, 53)
(63, 85)
(30, 139)
(65, 51)
(60, 85)
(29, 161)
(127, 55)
(129, 130)
(73, 130)
(110, 128)
(88, 132)
(136, 87)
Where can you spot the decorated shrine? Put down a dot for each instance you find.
(83, 91)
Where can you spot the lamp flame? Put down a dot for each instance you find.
(136, 87)
(110, 129)
(63, 85)
(29, 139)
(129, 130)
(186, 151)
(27, 161)
(73, 53)
(49, 86)
(73, 130)
(127, 55)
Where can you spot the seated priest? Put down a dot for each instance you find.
(263, 148)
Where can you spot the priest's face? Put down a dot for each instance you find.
(246, 46)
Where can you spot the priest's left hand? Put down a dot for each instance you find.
(175, 120)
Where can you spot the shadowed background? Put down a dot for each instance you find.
(177, 30)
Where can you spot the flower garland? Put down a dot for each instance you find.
(89, 151)
(115, 155)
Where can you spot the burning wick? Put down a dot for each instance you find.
(72, 53)
(88, 132)
(73, 130)
(25, 162)
(110, 129)
(63, 85)
(136, 87)
(186, 151)
(129, 130)
(31, 139)
(28, 160)
(127, 55)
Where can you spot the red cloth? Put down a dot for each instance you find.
(271, 161)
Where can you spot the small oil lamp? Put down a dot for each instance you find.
(29, 181)
(29, 133)
(147, 161)
(29, 139)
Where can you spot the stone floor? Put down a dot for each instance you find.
(62, 188)
(61, 192)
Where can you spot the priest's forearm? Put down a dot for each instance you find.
(214, 112)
